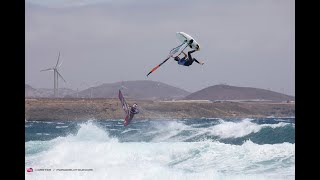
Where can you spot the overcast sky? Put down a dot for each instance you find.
(247, 43)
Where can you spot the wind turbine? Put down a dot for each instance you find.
(56, 76)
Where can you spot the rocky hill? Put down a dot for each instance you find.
(45, 92)
(143, 89)
(226, 92)
(29, 91)
(153, 90)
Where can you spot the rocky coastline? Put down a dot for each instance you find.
(46, 109)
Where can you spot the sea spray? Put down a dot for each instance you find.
(161, 150)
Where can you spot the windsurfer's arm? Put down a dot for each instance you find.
(198, 61)
(185, 55)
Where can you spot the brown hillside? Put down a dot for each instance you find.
(226, 92)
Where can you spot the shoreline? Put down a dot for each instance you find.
(45, 109)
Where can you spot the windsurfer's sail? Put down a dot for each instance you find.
(126, 109)
(124, 105)
(186, 40)
(171, 53)
(176, 49)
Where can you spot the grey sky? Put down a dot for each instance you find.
(244, 43)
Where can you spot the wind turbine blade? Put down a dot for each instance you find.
(60, 63)
(58, 60)
(61, 76)
(47, 69)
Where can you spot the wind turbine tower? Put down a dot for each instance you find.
(56, 76)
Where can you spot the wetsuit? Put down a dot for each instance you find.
(134, 110)
(188, 61)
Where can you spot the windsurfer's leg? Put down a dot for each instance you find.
(190, 59)
(196, 60)
(199, 62)
(188, 63)
(189, 54)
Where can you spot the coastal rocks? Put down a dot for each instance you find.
(102, 109)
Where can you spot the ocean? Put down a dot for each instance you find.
(204, 148)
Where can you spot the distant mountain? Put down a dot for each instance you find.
(226, 92)
(29, 91)
(141, 89)
(45, 92)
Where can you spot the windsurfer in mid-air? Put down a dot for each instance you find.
(130, 111)
(187, 61)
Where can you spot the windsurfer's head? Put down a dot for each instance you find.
(176, 58)
(135, 105)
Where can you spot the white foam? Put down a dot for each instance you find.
(46, 134)
(61, 127)
(128, 130)
(92, 148)
(178, 160)
(166, 130)
(48, 122)
(239, 129)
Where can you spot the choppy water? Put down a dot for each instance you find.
(162, 149)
